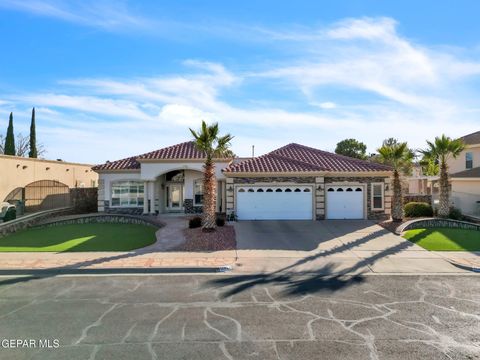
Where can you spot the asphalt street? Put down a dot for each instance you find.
(240, 317)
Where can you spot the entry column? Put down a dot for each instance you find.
(145, 197)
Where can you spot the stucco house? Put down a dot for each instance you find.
(292, 182)
(465, 176)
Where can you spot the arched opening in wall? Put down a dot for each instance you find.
(45, 195)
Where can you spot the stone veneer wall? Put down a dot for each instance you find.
(437, 223)
(122, 210)
(417, 198)
(28, 221)
(371, 214)
(100, 219)
(319, 183)
(189, 208)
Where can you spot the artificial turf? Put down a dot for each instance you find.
(445, 239)
(80, 237)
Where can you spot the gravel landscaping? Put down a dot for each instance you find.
(198, 240)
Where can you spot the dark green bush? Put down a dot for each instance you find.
(455, 214)
(11, 214)
(418, 209)
(195, 222)
(220, 221)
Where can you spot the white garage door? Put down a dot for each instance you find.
(344, 202)
(274, 203)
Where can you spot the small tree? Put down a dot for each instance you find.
(352, 148)
(441, 150)
(9, 148)
(398, 156)
(33, 137)
(214, 146)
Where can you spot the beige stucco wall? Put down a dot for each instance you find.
(458, 164)
(18, 172)
(151, 170)
(465, 194)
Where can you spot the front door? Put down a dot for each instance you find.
(174, 197)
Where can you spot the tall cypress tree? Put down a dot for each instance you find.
(33, 137)
(9, 148)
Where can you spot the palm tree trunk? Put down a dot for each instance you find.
(397, 201)
(209, 196)
(444, 207)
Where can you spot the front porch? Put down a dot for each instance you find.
(172, 192)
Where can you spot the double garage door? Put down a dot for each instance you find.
(296, 202)
(275, 203)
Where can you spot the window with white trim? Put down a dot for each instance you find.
(127, 193)
(377, 196)
(468, 160)
(198, 192)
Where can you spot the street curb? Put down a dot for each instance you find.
(475, 269)
(163, 270)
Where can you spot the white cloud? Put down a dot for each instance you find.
(104, 14)
(404, 89)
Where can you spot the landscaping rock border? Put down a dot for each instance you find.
(100, 219)
(31, 220)
(436, 223)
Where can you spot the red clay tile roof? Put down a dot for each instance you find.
(299, 158)
(182, 151)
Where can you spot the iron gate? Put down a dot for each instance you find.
(42, 195)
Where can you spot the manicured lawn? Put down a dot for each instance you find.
(80, 237)
(445, 239)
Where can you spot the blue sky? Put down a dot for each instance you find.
(111, 79)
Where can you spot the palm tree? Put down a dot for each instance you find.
(441, 150)
(214, 146)
(399, 157)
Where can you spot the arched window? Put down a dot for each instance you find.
(269, 190)
(241, 190)
(251, 190)
(288, 190)
(260, 190)
(298, 190)
(306, 190)
(339, 189)
(349, 189)
(331, 189)
(358, 189)
(278, 190)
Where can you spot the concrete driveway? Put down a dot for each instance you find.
(314, 235)
(331, 246)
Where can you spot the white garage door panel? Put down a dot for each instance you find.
(274, 205)
(345, 202)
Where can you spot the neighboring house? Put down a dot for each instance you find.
(419, 184)
(37, 182)
(293, 182)
(465, 176)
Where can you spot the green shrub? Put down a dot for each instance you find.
(195, 222)
(11, 214)
(455, 214)
(220, 221)
(418, 209)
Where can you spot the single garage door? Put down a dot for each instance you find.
(274, 203)
(344, 202)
